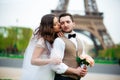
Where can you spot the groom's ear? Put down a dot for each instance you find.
(74, 24)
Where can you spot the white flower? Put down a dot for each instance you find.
(88, 58)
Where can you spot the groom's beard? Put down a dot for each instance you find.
(67, 31)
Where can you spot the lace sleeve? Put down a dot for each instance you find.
(40, 43)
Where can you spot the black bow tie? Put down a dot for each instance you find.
(71, 35)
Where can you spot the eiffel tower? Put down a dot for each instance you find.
(90, 24)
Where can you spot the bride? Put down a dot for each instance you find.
(36, 63)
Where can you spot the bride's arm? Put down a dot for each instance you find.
(36, 60)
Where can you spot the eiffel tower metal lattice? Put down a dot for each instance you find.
(91, 22)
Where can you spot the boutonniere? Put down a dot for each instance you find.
(85, 59)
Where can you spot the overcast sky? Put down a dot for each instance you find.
(28, 13)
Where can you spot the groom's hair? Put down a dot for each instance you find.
(66, 14)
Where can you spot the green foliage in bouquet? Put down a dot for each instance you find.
(81, 61)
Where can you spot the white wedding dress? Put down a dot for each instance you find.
(33, 72)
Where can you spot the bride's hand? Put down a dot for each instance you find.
(60, 34)
(56, 61)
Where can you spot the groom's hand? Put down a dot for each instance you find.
(81, 71)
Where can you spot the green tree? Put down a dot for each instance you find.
(14, 37)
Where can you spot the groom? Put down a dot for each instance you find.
(67, 48)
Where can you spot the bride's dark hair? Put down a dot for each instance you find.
(45, 28)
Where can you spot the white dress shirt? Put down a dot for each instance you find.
(58, 52)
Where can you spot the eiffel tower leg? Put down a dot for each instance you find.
(95, 44)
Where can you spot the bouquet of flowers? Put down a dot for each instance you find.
(85, 59)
